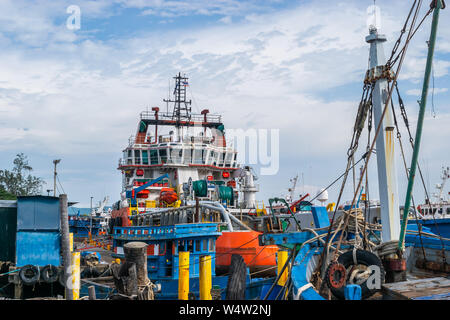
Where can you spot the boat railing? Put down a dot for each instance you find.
(150, 115)
(208, 212)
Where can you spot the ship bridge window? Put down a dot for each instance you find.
(163, 155)
(144, 157)
(175, 155)
(440, 211)
(198, 156)
(130, 157)
(187, 155)
(234, 160)
(221, 160)
(211, 157)
(228, 159)
(137, 156)
(154, 157)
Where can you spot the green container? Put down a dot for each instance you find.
(226, 194)
(8, 230)
(200, 188)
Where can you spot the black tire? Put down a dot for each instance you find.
(29, 274)
(364, 258)
(49, 274)
(236, 284)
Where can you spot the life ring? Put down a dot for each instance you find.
(29, 274)
(336, 275)
(50, 274)
(365, 258)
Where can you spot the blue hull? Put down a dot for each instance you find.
(440, 227)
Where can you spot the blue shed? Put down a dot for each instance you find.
(38, 231)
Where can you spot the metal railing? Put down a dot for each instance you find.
(150, 115)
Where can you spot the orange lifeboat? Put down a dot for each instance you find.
(168, 195)
(260, 259)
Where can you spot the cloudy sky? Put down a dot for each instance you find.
(296, 66)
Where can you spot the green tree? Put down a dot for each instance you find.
(4, 195)
(19, 181)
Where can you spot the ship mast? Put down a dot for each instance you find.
(182, 109)
(387, 175)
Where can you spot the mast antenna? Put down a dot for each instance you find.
(182, 109)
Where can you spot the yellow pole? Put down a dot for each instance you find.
(205, 278)
(282, 258)
(71, 241)
(76, 275)
(183, 275)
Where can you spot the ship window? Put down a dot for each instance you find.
(144, 157)
(190, 247)
(440, 211)
(187, 155)
(221, 159)
(154, 157)
(205, 245)
(180, 246)
(197, 246)
(163, 155)
(211, 157)
(211, 245)
(229, 157)
(175, 155)
(448, 210)
(197, 156)
(137, 156)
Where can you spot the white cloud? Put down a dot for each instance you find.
(80, 95)
(418, 92)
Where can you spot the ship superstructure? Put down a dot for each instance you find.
(186, 146)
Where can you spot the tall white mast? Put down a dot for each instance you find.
(387, 175)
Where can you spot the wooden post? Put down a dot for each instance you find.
(183, 275)
(92, 293)
(205, 278)
(76, 275)
(282, 258)
(136, 252)
(65, 245)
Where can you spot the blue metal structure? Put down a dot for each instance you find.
(38, 231)
(164, 245)
(37, 248)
